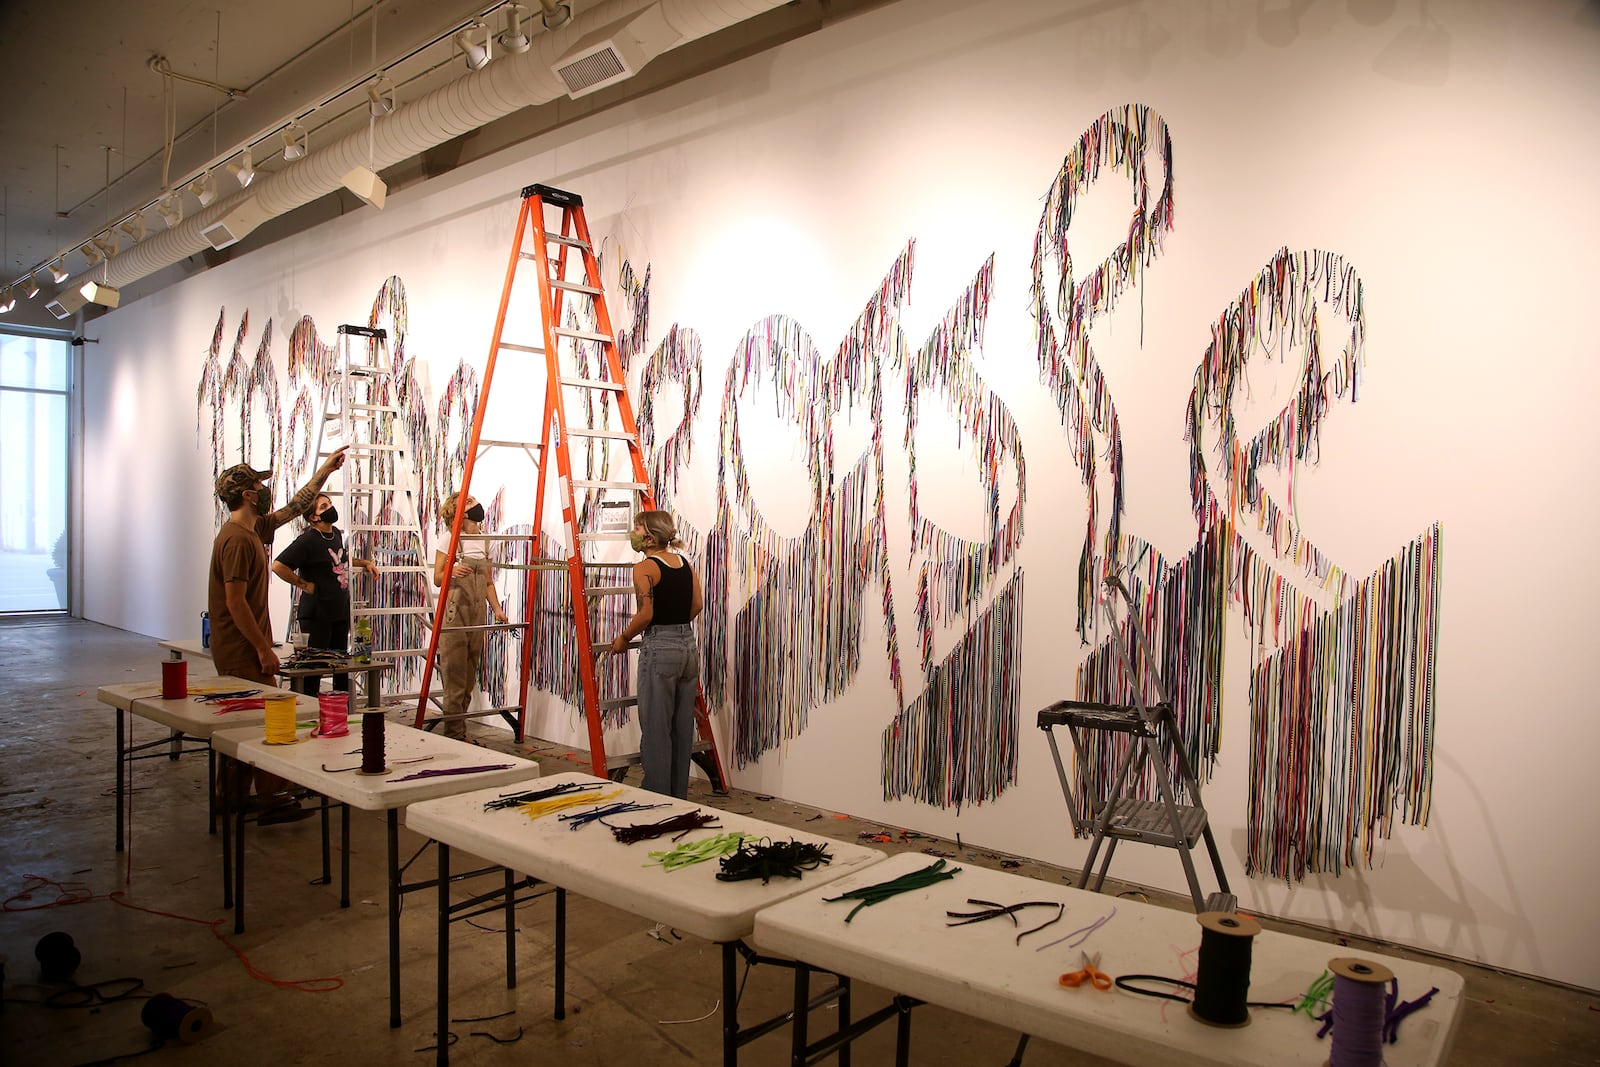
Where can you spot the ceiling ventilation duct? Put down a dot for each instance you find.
(637, 31)
(615, 53)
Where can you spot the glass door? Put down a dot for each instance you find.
(34, 484)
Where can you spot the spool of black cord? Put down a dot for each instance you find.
(172, 1019)
(1223, 983)
(58, 957)
(372, 756)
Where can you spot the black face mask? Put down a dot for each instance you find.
(330, 515)
(475, 513)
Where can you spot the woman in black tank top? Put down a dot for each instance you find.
(669, 597)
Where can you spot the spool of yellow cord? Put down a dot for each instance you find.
(280, 720)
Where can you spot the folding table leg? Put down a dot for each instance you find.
(561, 953)
(511, 928)
(844, 1019)
(327, 859)
(344, 855)
(802, 1012)
(225, 773)
(394, 920)
(730, 1005)
(122, 765)
(239, 806)
(211, 788)
(442, 1038)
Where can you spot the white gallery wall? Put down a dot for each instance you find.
(1450, 164)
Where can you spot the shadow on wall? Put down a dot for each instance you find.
(1471, 909)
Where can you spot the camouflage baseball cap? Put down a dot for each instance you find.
(238, 478)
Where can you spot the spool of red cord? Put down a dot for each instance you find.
(174, 679)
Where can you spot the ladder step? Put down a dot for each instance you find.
(582, 335)
(529, 349)
(487, 443)
(570, 242)
(608, 590)
(584, 483)
(392, 409)
(593, 383)
(419, 610)
(363, 449)
(599, 650)
(631, 759)
(574, 287)
(609, 435)
(619, 702)
(485, 626)
(1147, 821)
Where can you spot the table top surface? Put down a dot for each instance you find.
(319, 764)
(190, 714)
(590, 861)
(190, 647)
(904, 945)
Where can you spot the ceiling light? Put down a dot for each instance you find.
(107, 244)
(133, 226)
(170, 209)
(58, 270)
(296, 141)
(513, 39)
(366, 184)
(91, 253)
(101, 293)
(477, 52)
(380, 91)
(30, 286)
(244, 170)
(7, 301)
(204, 189)
(555, 14)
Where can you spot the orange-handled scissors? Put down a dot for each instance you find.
(1090, 973)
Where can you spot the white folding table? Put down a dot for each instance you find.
(328, 766)
(186, 717)
(904, 945)
(590, 861)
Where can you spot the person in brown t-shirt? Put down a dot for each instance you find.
(236, 595)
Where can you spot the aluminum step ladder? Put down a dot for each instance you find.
(378, 502)
(1152, 729)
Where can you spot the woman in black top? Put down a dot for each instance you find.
(669, 596)
(317, 564)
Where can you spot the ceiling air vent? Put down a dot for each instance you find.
(596, 70)
(615, 53)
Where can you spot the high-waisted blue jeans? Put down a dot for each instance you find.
(669, 676)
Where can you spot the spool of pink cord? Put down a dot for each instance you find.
(333, 715)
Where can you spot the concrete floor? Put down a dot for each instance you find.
(632, 999)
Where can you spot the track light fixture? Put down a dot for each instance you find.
(296, 141)
(30, 286)
(107, 244)
(476, 45)
(513, 39)
(8, 300)
(243, 169)
(204, 189)
(170, 208)
(134, 226)
(58, 270)
(380, 91)
(91, 253)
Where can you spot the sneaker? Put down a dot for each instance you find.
(290, 811)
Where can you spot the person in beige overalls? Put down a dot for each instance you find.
(471, 588)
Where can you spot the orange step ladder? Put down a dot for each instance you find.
(585, 500)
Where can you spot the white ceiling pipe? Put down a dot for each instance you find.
(510, 83)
